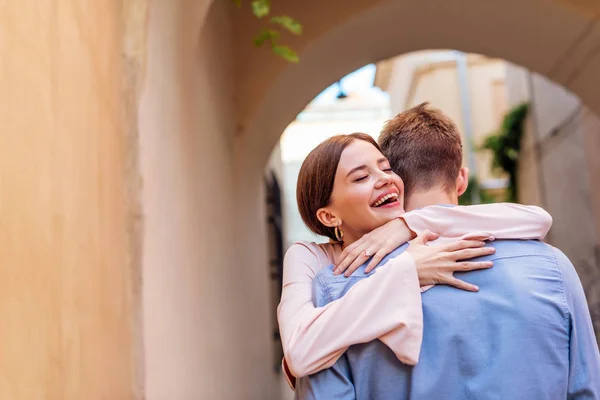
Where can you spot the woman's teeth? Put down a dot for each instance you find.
(385, 198)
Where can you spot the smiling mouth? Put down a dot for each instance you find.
(388, 199)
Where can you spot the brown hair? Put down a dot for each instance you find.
(424, 147)
(316, 178)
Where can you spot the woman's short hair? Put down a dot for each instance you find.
(316, 178)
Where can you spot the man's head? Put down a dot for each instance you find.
(424, 147)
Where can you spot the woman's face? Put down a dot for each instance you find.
(366, 192)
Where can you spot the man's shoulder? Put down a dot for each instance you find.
(523, 267)
(328, 287)
(569, 276)
(326, 276)
(327, 272)
(524, 257)
(506, 248)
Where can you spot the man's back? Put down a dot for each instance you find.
(525, 335)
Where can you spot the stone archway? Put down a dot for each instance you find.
(549, 38)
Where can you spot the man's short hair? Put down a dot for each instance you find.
(424, 148)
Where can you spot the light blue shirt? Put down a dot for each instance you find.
(526, 335)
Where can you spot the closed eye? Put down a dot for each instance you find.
(362, 178)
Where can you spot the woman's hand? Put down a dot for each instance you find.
(437, 264)
(377, 244)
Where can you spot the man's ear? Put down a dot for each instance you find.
(328, 218)
(462, 181)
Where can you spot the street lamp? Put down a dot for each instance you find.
(341, 93)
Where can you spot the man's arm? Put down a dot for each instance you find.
(584, 357)
(332, 383)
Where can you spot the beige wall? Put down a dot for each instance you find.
(437, 84)
(395, 76)
(249, 286)
(67, 310)
(487, 91)
(199, 326)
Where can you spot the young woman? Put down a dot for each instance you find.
(346, 190)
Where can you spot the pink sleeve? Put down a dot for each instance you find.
(386, 306)
(499, 221)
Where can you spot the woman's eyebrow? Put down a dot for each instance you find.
(353, 170)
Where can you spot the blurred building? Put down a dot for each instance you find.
(469, 88)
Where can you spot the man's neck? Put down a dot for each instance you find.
(429, 198)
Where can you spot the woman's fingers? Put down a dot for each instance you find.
(376, 260)
(425, 237)
(472, 265)
(352, 255)
(353, 260)
(467, 266)
(355, 264)
(346, 252)
(457, 283)
(462, 244)
(472, 253)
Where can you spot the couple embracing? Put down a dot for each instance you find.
(415, 297)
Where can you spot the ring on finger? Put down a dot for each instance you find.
(367, 254)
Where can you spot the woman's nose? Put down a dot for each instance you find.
(383, 179)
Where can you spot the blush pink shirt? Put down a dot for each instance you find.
(388, 305)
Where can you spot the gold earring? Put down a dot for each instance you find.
(339, 233)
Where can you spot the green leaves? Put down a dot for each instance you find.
(265, 35)
(286, 53)
(288, 23)
(505, 146)
(271, 36)
(261, 9)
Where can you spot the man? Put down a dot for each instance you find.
(526, 335)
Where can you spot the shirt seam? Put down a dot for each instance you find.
(565, 304)
(517, 255)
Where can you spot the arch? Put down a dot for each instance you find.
(549, 38)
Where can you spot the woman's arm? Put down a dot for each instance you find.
(482, 222)
(387, 305)
(500, 221)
